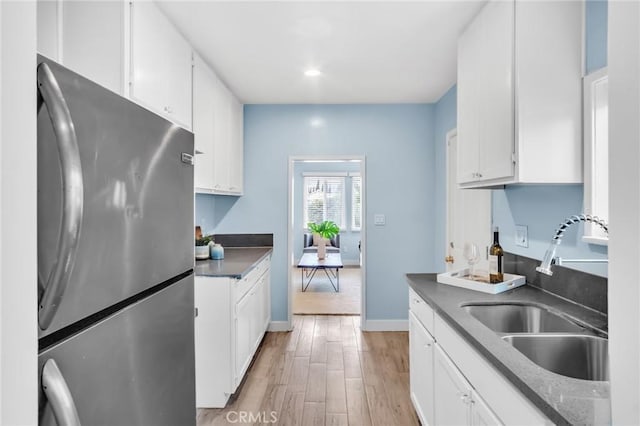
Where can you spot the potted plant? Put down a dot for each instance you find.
(323, 231)
(202, 247)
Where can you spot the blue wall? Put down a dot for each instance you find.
(542, 208)
(397, 141)
(596, 15)
(204, 212)
(348, 239)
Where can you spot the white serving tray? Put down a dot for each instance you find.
(461, 279)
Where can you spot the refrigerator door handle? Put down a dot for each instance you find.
(72, 195)
(57, 392)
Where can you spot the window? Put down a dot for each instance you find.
(596, 153)
(324, 199)
(356, 202)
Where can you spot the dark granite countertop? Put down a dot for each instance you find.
(562, 399)
(237, 262)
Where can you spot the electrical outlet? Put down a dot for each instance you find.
(522, 237)
(378, 219)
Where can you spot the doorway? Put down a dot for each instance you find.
(327, 188)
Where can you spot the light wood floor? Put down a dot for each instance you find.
(321, 298)
(325, 372)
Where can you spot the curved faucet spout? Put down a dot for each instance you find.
(550, 254)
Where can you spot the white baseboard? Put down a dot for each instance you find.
(278, 326)
(386, 325)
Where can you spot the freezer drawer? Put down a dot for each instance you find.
(135, 367)
(115, 198)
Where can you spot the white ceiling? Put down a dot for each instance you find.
(368, 52)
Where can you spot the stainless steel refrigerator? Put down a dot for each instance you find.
(115, 258)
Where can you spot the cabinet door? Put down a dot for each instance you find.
(161, 64)
(93, 40)
(257, 325)
(469, 102)
(266, 300)
(453, 395)
(486, 95)
(236, 151)
(203, 126)
(481, 414)
(221, 122)
(86, 37)
(244, 319)
(421, 370)
(47, 15)
(496, 85)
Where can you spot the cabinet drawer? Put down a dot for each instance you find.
(247, 282)
(421, 310)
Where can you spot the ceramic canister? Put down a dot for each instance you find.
(217, 252)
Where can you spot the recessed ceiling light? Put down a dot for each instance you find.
(312, 72)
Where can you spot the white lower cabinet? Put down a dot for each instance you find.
(421, 346)
(456, 401)
(253, 313)
(245, 310)
(451, 384)
(232, 317)
(452, 398)
(481, 414)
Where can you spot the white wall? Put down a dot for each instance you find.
(18, 222)
(624, 207)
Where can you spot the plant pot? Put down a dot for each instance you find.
(202, 252)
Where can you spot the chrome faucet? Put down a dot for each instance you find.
(550, 254)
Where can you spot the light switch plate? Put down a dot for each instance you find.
(522, 237)
(378, 219)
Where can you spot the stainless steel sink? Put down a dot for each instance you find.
(579, 356)
(520, 318)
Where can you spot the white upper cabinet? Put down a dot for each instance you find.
(485, 87)
(47, 25)
(130, 48)
(217, 125)
(89, 38)
(519, 95)
(222, 137)
(204, 93)
(161, 62)
(236, 151)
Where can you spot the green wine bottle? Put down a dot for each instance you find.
(496, 271)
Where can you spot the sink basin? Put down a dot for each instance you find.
(578, 356)
(520, 318)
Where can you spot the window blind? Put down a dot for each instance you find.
(356, 203)
(324, 199)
